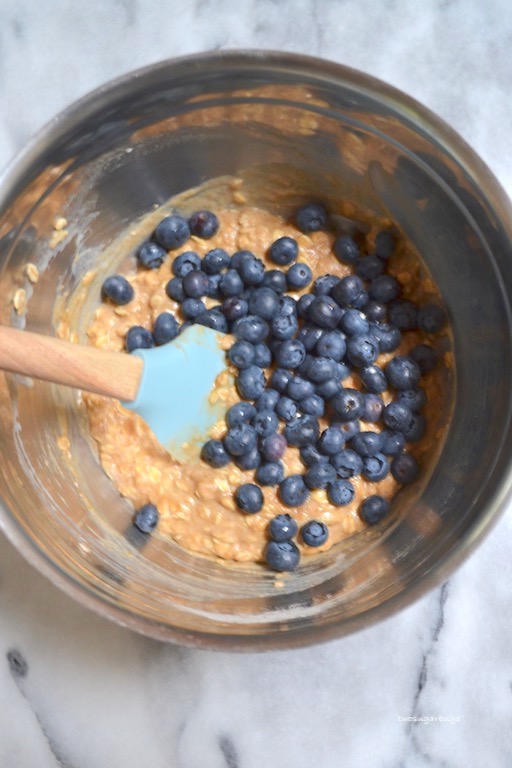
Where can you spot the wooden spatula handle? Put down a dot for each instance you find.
(94, 370)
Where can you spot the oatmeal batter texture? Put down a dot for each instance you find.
(195, 501)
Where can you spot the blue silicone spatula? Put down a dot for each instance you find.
(169, 386)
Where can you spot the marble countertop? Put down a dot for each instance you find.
(431, 686)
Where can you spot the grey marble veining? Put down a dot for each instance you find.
(430, 687)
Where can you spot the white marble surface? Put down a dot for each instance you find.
(79, 692)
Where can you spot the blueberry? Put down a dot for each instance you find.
(214, 319)
(362, 350)
(348, 404)
(320, 475)
(151, 255)
(271, 473)
(320, 369)
(265, 422)
(213, 290)
(239, 257)
(284, 326)
(185, 263)
(343, 371)
(376, 312)
(416, 429)
(349, 428)
(234, 308)
(275, 279)
(195, 284)
(282, 528)
(287, 306)
(117, 289)
(251, 382)
(240, 413)
(174, 289)
(165, 328)
(214, 453)
(310, 455)
(367, 443)
(393, 442)
(314, 533)
(425, 356)
(402, 372)
(250, 328)
(299, 388)
(397, 416)
(215, 261)
(172, 232)
(309, 335)
(282, 555)
(384, 289)
(146, 518)
(204, 224)
(324, 312)
(346, 249)
(414, 399)
(268, 400)
(375, 468)
(293, 491)
(283, 251)
(369, 267)
(287, 409)
(361, 301)
(249, 498)
(298, 276)
(373, 406)
(331, 441)
(241, 354)
(313, 405)
(327, 389)
(231, 283)
(192, 308)
(374, 508)
(347, 290)
(264, 302)
(139, 338)
(303, 304)
(273, 446)
(291, 354)
(331, 344)
(262, 355)
(340, 493)
(388, 336)
(405, 469)
(252, 271)
(347, 463)
(249, 460)
(240, 439)
(432, 318)
(384, 244)
(324, 284)
(374, 379)
(403, 314)
(354, 322)
(279, 379)
(311, 217)
(301, 431)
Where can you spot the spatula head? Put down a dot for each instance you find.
(174, 396)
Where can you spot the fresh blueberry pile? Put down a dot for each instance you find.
(292, 354)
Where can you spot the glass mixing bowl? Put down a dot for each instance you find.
(134, 143)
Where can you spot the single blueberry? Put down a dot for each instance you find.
(416, 428)
(192, 308)
(320, 475)
(403, 314)
(214, 453)
(314, 533)
(375, 468)
(287, 409)
(376, 312)
(403, 372)
(240, 413)
(293, 491)
(310, 455)
(234, 308)
(284, 326)
(432, 318)
(347, 463)
(373, 406)
(172, 232)
(384, 289)
(348, 404)
(313, 405)
(251, 382)
(249, 498)
(283, 251)
(241, 354)
(384, 244)
(324, 284)
(425, 356)
(340, 493)
(146, 518)
(298, 276)
(262, 355)
(388, 336)
(231, 283)
(195, 284)
(302, 430)
(250, 328)
(204, 224)
(414, 399)
(362, 350)
(393, 443)
(186, 262)
(265, 422)
(298, 388)
(165, 328)
(320, 369)
(264, 302)
(310, 336)
(151, 255)
(325, 312)
(347, 290)
(331, 344)
(367, 443)
(374, 379)
(369, 267)
(331, 441)
(215, 261)
(279, 379)
(374, 509)
(346, 249)
(117, 289)
(353, 322)
(240, 439)
(239, 257)
(273, 446)
(405, 469)
(275, 279)
(311, 217)
(214, 319)
(139, 338)
(291, 354)
(268, 400)
(282, 555)
(248, 461)
(282, 528)
(270, 473)
(174, 289)
(251, 271)
(397, 416)
(327, 389)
